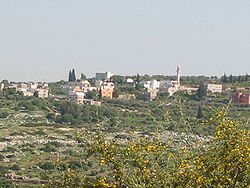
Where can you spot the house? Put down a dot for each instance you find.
(30, 89)
(146, 84)
(42, 92)
(106, 93)
(27, 93)
(169, 86)
(77, 97)
(127, 96)
(82, 86)
(129, 80)
(107, 90)
(241, 98)
(22, 87)
(92, 102)
(189, 89)
(148, 95)
(1, 86)
(214, 88)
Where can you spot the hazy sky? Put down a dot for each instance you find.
(43, 39)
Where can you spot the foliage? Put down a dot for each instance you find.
(91, 95)
(202, 91)
(4, 114)
(224, 162)
(221, 162)
(200, 113)
(55, 88)
(72, 76)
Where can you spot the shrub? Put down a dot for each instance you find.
(75, 165)
(221, 162)
(15, 167)
(4, 114)
(1, 157)
(47, 166)
(48, 148)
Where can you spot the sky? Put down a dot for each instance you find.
(41, 40)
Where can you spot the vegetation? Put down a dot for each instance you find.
(221, 162)
(169, 142)
(72, 76)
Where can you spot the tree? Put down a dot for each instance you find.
(231, 80)
(36, 94)
(224, 78)
(73, 75)
(202, 91)
(70, 76)
(116, 93)
(137, 87)
(246, 78)
(83, 77)
(239, 79)
(91, 95)
(200, 113)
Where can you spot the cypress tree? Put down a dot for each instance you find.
(137, 81)
(70, 76)
(239, 79)
(231, 78)
(200, 113)
(73, 75)
(224, 78)
(202, 91)
(246, 78)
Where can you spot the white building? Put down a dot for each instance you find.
(165, 84)
(27, 93)
(42, 92)
(82, 86)
(103, 76)
(214, 88)
(108, 85)
(155, 84)
(146, 84)
(1, 86)
(77, 97)
(129, 80)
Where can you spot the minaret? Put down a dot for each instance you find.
(178, 76)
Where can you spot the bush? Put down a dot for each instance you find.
(75, 165)
(4, 114)
(15, 167)
(221, 162)
(47, 166)
(48, 148)
(1, 157)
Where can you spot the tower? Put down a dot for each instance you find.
(178, 76)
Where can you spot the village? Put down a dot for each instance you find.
(90, 91)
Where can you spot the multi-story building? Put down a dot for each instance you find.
(241, 98)
(106, 93)
(22, 87)
(214, 88)
(165, 85)
(107, 90)
(77, 97)
(82, 86)
(148, 95)
(103, 76)
(42, 92)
